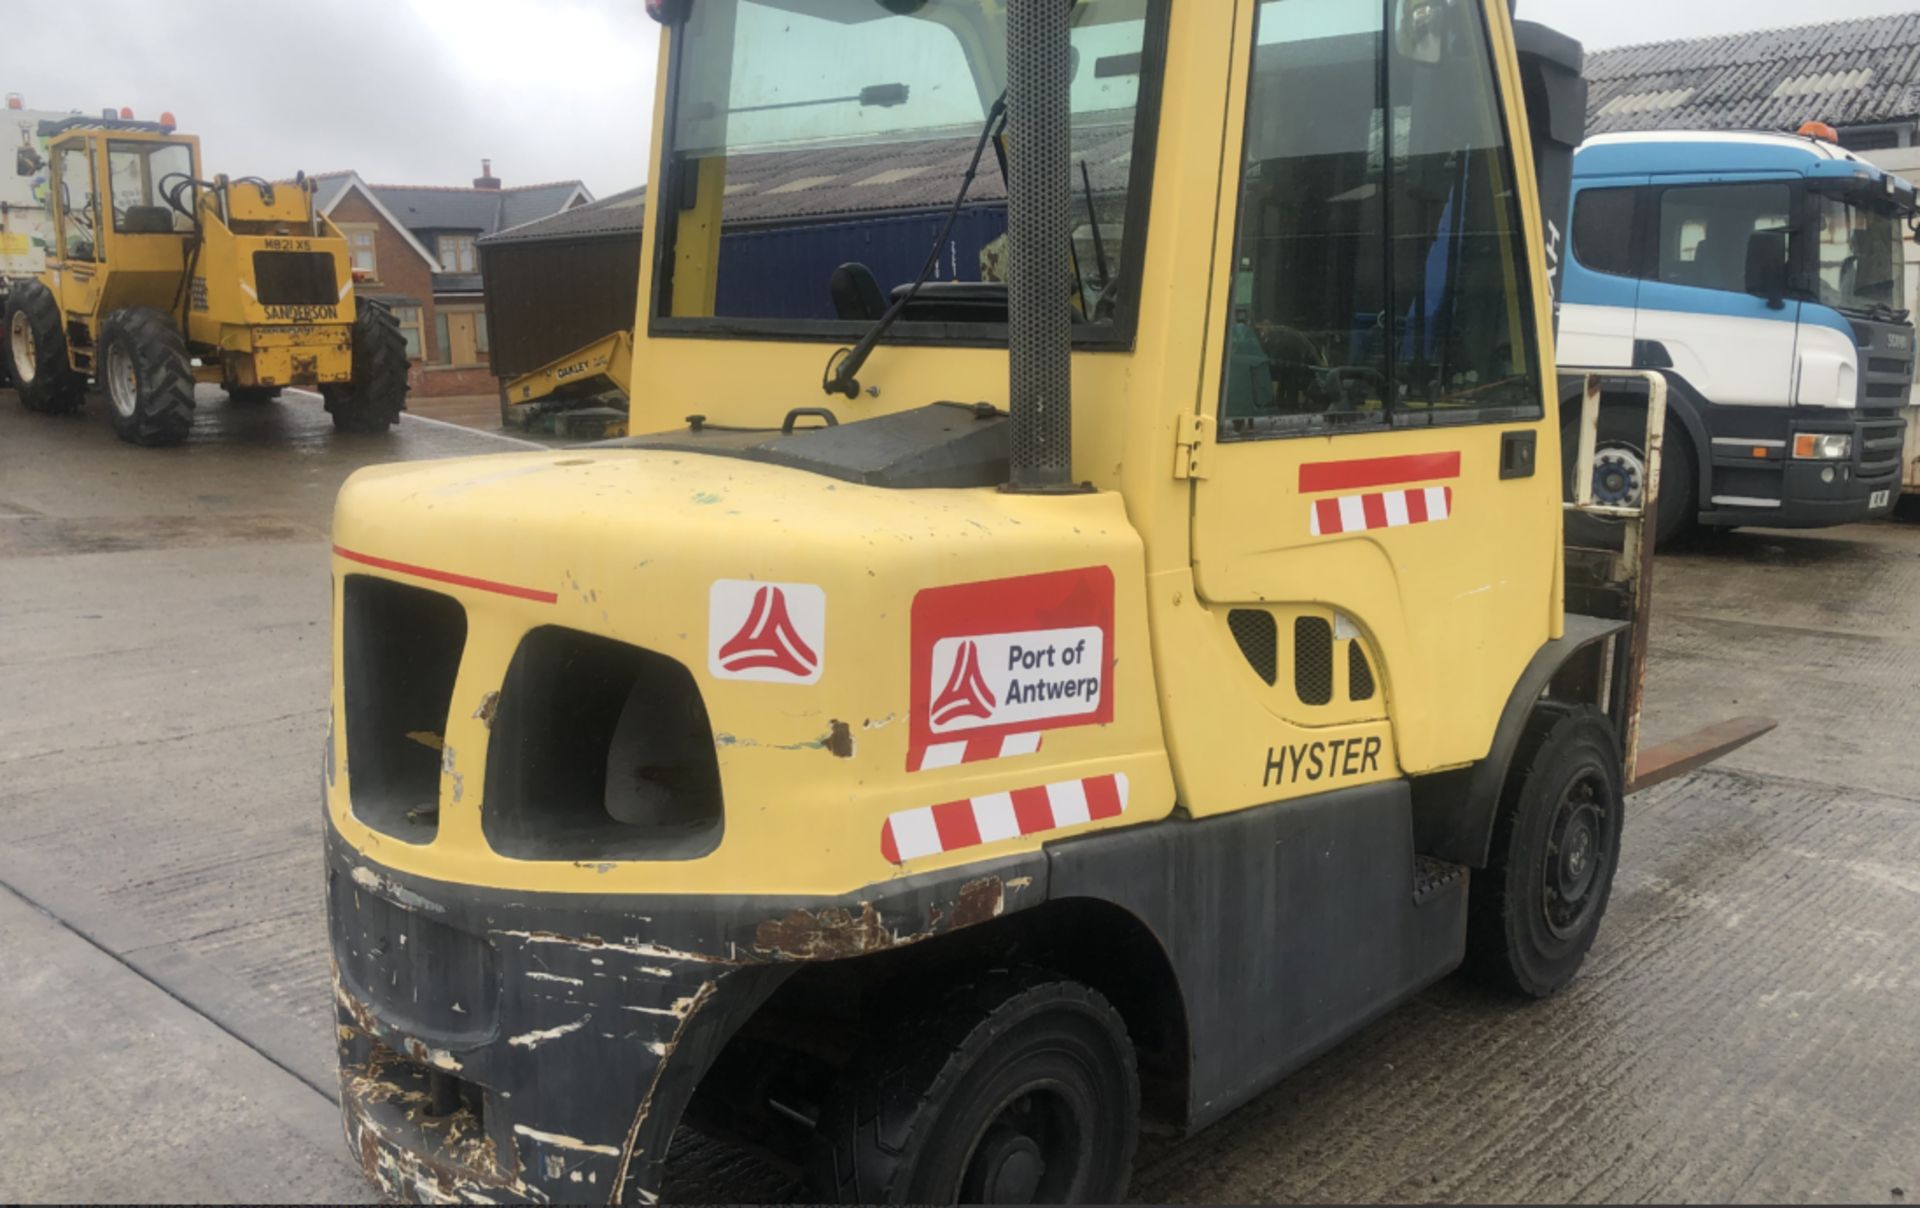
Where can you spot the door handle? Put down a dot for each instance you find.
(1518, 454)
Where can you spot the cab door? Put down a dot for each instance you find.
(1375, 403)
(77, 204)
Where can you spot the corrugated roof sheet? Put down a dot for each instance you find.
(1845, 73)
(817, 182)
(621, 213)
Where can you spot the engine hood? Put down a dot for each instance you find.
(804, 607)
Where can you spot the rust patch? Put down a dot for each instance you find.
(827, 935)
(840, 740)
(489, 705)
(979, 900)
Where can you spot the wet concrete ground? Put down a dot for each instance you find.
(1746, 1029)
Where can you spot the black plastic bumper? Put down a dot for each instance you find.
(511, 1046)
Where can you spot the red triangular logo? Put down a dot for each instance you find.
(966, 694)
(769, 641)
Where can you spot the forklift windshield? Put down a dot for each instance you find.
(831, 139)
(138, 172)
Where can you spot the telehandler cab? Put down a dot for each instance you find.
(157, 279)
(1047, 709)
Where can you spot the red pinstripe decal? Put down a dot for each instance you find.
(1417, 507)
(1033, 810)
(1377, 472)
(442, 576)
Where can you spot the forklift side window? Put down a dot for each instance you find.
(76, 203)
(1383, 275)
(137, 175)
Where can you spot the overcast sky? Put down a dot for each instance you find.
(418, 91)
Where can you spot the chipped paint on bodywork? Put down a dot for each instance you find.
(489, 705)
(665, 1051)
(835, 933)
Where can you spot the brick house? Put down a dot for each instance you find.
(415, 246)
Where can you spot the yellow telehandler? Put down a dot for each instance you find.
(940, 744)
(156, 280)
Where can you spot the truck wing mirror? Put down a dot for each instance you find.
(27, 161)
(1767, 267)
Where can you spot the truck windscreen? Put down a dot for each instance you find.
(830, 138)
(1863, 264)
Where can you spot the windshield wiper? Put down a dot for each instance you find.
(845, 363)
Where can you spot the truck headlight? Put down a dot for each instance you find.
(1814, 446)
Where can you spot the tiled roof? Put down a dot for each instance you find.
(1844, 73)
(433, 208)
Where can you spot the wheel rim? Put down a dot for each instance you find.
(1578, 853)
(1619, 476)
(123, 383)
(1029, 1153)
(24, 362)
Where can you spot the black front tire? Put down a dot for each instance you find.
(1019, 1088)
(47, 382)
(1534, 911)
(372, 402)
(152, 401)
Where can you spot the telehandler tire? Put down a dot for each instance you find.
(253, 395)
(1532, 914)
(372, 402)
(1020, 1088)
(147, 375)
(37, 351)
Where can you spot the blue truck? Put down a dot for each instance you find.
(1764, 275)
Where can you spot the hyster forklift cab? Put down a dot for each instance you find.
(1060, 689)
(158, 280)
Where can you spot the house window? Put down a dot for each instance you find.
(456, 254)
(360, 242)
(409, 319)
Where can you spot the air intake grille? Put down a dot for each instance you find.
(1259, 640)
(1359, 674)
(1313, 660)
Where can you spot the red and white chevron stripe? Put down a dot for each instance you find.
(972, 750)
(932, 830)
(1389, 509)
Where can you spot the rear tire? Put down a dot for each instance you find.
(1620, 456)
(372, 402)
(1533, 913)
(1016, 1089)
(253, 395)
(37, 351)
(147, 376)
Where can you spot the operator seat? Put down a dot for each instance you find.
(856, 293)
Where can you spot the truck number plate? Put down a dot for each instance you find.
(1881, 499)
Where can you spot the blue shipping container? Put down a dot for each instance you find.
(782, 272)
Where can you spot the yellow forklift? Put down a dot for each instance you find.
(156, 280)
(943, 744)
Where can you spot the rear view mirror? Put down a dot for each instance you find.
(1767, 267)
(27, 161)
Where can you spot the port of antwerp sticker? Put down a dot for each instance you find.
(1012, 657)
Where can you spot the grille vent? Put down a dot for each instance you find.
(1259, 641)
(1359, 674)
(1313, 660)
